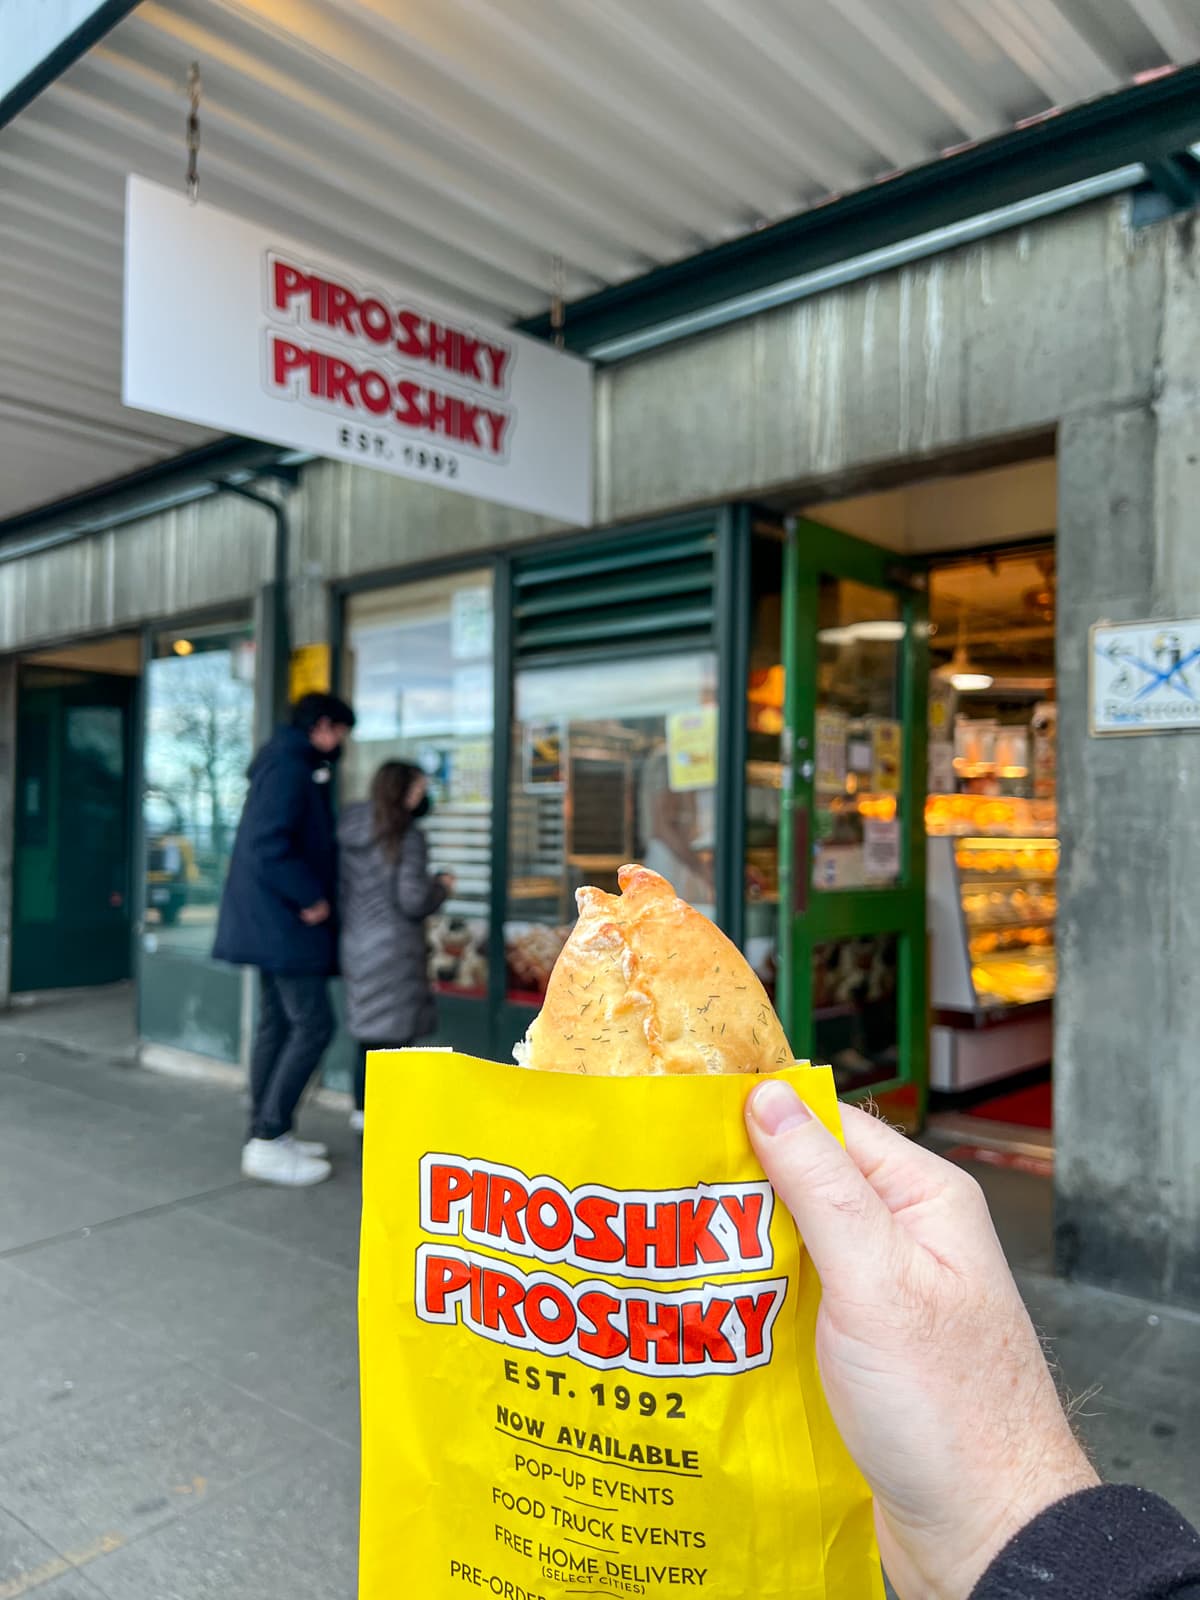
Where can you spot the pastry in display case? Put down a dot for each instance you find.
(1008, 899)
(992, 904)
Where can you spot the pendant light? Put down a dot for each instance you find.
(959, 671)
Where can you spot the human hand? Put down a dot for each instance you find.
(448, 882)
(930, 1364)
(313, 915)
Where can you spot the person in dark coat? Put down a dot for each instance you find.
(386, 893)
(277, 914)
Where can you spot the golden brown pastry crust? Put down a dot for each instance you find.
(646, 986)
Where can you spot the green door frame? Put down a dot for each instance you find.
(808, 919)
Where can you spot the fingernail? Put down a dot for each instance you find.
(776, 1107)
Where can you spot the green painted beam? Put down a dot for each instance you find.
(98, 20)
(1148, 123)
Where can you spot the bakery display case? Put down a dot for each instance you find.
(992, 901)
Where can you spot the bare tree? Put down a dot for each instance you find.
(197, 705)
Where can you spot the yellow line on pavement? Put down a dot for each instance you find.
(35, 1577)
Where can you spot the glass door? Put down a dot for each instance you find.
(418, 669)
(199, 731)
(852, 913)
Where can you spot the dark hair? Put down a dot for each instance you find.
(312, 708)
(389, 804)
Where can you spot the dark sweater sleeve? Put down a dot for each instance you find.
(1111, 1543)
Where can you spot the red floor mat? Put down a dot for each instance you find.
(1028, 1108)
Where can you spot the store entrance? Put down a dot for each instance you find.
(986, 857)
(73, 828)
(852, 901)
(993, 846)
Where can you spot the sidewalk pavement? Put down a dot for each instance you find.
(178, 1383)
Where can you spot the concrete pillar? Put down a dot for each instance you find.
(1127, 1047)
(8, 808)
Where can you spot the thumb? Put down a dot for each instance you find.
(842, 1221)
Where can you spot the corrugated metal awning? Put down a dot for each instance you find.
(462, 145)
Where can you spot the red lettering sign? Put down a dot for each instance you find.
(313, 376)
(319, 302)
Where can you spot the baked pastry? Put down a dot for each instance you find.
(646, 986)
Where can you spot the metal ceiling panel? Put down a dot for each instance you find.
(464, 146)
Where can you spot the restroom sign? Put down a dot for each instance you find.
(1145, 677)
(233, 326)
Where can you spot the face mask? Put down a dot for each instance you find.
(422, 808)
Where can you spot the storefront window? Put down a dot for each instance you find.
(612, 762)
(199, 732)
(857, 785)
(419, 674)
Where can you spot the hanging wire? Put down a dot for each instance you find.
(558, 312)
(193, 133)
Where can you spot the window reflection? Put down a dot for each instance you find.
(859, 737)
(199, 732)
(612, 762)
(419, 675)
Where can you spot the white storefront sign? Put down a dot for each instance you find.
(230, 325)
(1145, 676)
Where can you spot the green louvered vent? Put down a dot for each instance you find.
(641, 587)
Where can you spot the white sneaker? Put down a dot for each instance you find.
(307, 1147)
(280, 1161)
(358, 1121)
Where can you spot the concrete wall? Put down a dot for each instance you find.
(997, 339)
(211, 553)
(349, 522)
(1127, 1061)
(992, 342)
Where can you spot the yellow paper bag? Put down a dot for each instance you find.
(587, 1338)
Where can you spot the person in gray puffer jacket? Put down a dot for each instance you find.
(386, 893)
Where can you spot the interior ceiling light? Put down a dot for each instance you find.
(959, 670)
(880, 632)
(183, 647)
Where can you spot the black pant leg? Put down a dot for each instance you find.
(361, 1046)
(270, 1035)
(364, 1047)
(310, 1026)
